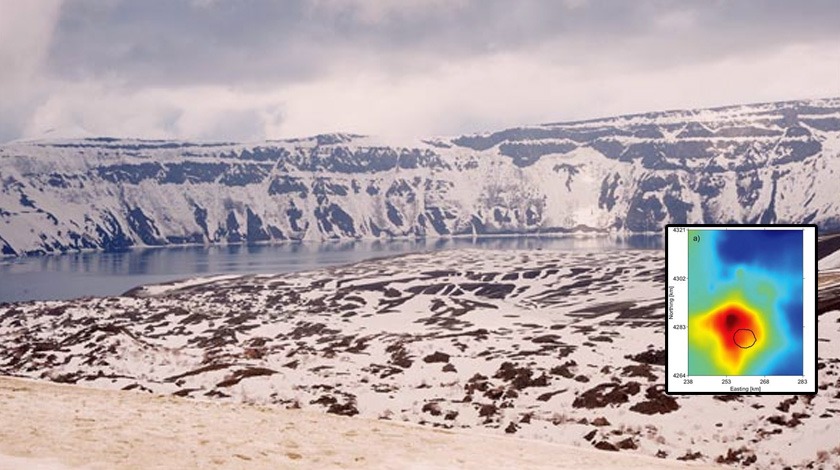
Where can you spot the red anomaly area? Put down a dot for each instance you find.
(737, 329)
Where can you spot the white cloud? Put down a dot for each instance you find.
(509, 90)
(25, 33)
(394, 68)
(204, 113)
(499, 91)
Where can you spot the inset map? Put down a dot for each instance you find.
(745, 302)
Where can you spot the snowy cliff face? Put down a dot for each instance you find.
(776, 162)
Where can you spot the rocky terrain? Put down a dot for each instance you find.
(763, 163)
(562, 347)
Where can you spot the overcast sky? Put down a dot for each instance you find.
(252, 70)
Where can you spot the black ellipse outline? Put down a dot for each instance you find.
(755, 338)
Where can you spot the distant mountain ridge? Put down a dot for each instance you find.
(772, 162)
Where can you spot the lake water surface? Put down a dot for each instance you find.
(103, 274)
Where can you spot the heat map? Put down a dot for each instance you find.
(745, 297)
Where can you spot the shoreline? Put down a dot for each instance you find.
(550, 235)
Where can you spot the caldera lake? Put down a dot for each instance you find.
(101, 274)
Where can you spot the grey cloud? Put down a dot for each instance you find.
(160, 42)
(244, 69)
(11, 123)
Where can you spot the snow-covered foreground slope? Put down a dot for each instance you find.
(54, 427)
(776, 162)
(554, 346)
